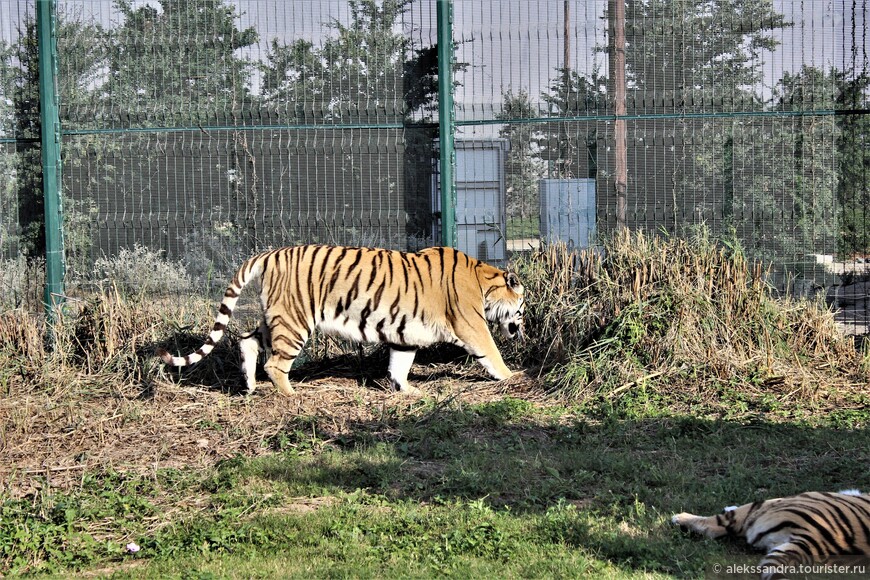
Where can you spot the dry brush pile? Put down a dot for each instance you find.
(692, 314)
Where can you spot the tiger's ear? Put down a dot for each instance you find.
(512, 280)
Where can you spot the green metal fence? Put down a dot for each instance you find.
(205, 130)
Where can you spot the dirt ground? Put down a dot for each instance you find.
(50, 441)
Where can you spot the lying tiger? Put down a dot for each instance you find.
(404, 300)
(795, 530)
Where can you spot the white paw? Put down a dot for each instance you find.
(410, 391)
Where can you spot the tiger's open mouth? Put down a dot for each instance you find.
(513, 330)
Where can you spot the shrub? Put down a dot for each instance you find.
(141, 271)
(22, 280)
(641, 307)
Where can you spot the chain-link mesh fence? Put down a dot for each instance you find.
(205, 130)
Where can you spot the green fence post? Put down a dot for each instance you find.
(446, 125)
(51, 162)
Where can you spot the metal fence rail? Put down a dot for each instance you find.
(207, 129)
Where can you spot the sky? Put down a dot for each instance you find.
(517, 44)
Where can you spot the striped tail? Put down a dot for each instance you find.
(252, 268)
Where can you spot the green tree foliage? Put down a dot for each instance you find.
(785, 173)
(82, 59)
(693, 53)
(853, 163)
(365, 71)
(523, 167)
(177, 64)
(571, 146)
(26, 128)
(8, 157)
(696, 57)
(79, 42)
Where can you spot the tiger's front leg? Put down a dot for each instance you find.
(706, 526)
(478, 343)
(401, 359)
(495, 366)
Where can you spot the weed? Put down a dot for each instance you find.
(608, 319)
(22, 280)
(139, 271)
(64, 531)
(507, 409)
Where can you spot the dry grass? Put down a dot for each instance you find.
(697, 312)
(687, 316)
(99, 399)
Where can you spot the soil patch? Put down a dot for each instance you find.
(50, 441)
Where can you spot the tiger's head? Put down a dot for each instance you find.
(504, 304)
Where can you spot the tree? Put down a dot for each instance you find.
(8, 159)
(367, 71)
(177, 65)
(684, 56)
(698, 53)
(853, 163)
(27, 129)
(570, 147)
(785, 175)
(522, 167)
(79, 42)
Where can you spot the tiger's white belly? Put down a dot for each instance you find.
(412, 332)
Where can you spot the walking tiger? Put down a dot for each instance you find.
(404, 300)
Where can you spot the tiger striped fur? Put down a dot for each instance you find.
(405, 300)
(797, 530)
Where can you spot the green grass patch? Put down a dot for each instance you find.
(503, 489)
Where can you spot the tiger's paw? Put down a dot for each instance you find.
(692, 523)
(403, 388)
(284, 387)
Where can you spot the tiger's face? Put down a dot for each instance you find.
(505, 305)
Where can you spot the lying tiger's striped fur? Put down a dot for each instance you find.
(800, 529)
(402, 299)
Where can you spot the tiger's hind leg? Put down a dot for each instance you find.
(287, 343)
(251, 345)
(784, 557)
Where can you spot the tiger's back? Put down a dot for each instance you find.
(406, 300)
(799, 529)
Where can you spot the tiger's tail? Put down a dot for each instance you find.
(252, 268)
